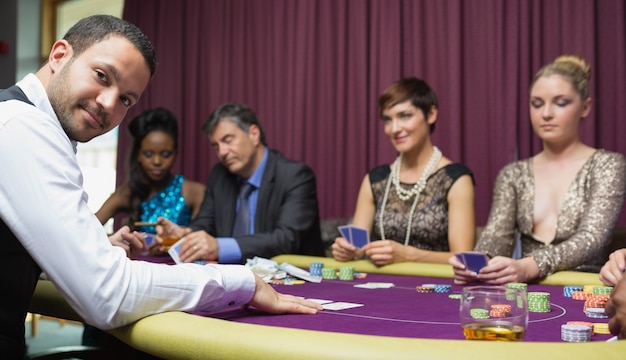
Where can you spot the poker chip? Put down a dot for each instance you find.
(346, 273)
(500, 310)
(539, 302)
(477, 313)
(596, 313)
(601, 328)
(512, 295)
(443, 288)
(575, 333)
(315, 268)
(602, 290)
(569, 290)
(329, 273)
(585, 323)
(360, 275)
(581, 295)
(424, 289)
(455, 296)
(596, 301)
(522, 286)
(589, 288)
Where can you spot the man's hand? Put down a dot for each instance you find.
(616, 309)
(167, 229)
(199, 245)
(267, 299)
(132, 242)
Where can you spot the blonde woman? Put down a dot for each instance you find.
(564, 201)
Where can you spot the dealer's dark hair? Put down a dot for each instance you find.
(96, 28)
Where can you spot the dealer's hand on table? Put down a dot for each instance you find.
(132, 242)
(385, 252)
(267, 299)
(616, 309)
(502, 270)
(344, 251)
(199, 245)
(613, 269)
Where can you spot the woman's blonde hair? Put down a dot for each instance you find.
(573, 67)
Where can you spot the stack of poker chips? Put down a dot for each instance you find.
(329, 273)
(581, 295)
(568, 291)
(595, 301)
(316, 268)
(426, 288)
(575, 333)
(522, 286)
(500, 310)
(442, 288)
(585, 323)
(477, 313)
(602, 290)
(346, 273)
(601, 328)
(539, 302)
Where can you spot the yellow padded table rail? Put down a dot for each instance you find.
(178, 335)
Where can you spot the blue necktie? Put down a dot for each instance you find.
(242, 220)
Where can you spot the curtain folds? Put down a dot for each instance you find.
(313, 69)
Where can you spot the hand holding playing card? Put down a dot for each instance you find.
(473, 261)
(357, 236)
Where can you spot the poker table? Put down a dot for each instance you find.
(393, 323)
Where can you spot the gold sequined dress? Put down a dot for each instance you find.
(585, 221)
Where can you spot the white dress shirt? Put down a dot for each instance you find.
(43, 202)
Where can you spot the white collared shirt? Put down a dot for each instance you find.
(43, 202)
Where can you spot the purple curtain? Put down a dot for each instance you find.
(313, 69)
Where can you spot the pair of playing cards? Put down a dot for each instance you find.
(174, 250)
(473, 260)
(357, 236)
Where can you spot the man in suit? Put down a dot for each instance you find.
(280, 209)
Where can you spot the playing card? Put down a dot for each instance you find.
(175, 250)
(360, 237)
(149, 238)
(345, 232)
(355, 235)
(340, 305)
(474, 261)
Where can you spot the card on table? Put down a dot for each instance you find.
(473, 260)
(340, 305)
(357, 236)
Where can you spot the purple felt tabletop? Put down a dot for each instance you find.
(401, 311)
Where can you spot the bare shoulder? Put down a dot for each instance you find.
(193, 189)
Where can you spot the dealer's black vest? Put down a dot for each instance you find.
(18, 276)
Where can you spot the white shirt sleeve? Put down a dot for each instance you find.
(43, 203)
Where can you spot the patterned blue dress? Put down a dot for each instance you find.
(168, 203)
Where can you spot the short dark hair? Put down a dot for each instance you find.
(238, 113)
(96, 28)
(411, 88)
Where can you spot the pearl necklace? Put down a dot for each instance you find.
(403, 194)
